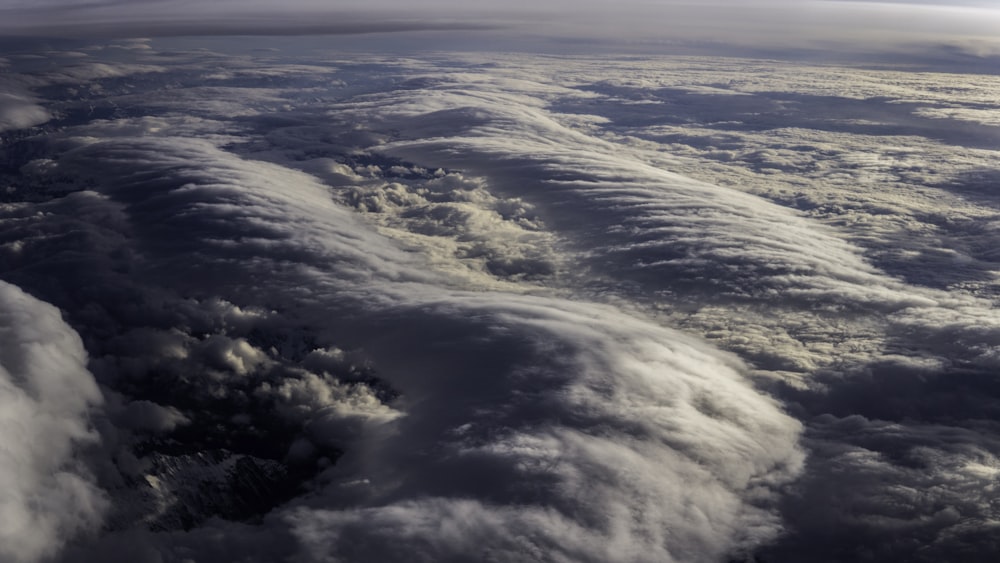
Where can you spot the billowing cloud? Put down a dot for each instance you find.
(46, 398)
(667, 236)
(432, 307)
(570, 416)
(533, 406)
(149, 416)
(19, 110)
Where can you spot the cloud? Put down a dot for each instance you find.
(18, 110)
(446, 294)
(983, 116)
(522, 405)
(624, 411)
(936, 505)
(128, 19)
(800, 301)
(627, 220)
(949, 32)
(560, 418)
(47, 396)
(149, 416)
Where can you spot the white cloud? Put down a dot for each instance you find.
(149, 416)
(557, 428)
(465, 288)
(573, 409)
(19, 110)
(989, 116)
(905, 492)
(787, 292)
(46, 398)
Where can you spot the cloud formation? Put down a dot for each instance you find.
(801, 301)
(46, 398)
(525, 407)
(569, 417)
(446, 294)
(18, 110)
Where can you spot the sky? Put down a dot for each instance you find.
(898, 26)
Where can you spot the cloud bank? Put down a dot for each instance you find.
(518, 307)
(573, 424)
(46, 398)
(18, 109)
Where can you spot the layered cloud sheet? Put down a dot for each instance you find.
(46, 397)
(264, 306)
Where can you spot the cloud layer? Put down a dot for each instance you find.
(518, 307)
(569, 419)
(46, 397)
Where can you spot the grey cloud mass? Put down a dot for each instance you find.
(268, 301)
(530, 390)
